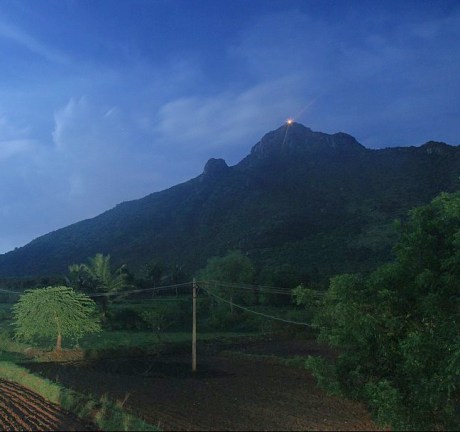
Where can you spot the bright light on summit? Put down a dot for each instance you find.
(289, 121)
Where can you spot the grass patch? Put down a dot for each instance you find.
(11, 350)
(6, 356)
(105, 414)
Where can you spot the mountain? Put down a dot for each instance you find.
(319, 203)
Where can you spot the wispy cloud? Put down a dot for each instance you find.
(373, 79)
(32, 44)
(11, 148)
(229, 119)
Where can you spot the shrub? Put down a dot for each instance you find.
(398, 329)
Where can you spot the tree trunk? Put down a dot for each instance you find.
(59, 334)
(59, 343)
(104, 307)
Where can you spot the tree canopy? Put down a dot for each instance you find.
(54, 313)
(398, 330)
(97, 276)
(233, 268)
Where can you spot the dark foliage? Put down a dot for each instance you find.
(397, 330)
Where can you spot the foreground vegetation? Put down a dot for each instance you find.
(106, 415)
(397, 330)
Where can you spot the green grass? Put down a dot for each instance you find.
(9, 348)
(6, 356)
(106, 415)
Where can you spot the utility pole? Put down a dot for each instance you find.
(194, 326)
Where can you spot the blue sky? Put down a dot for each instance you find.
(104, 101)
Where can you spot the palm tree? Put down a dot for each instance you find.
(98, 275)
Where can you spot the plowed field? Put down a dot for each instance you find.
(226, 393)
(24, 410)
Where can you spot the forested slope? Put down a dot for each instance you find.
(321, 204)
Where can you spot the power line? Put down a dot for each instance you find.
(116, 293)
(156, 289)
(258, 313)
(10, 292)
(254, 288)
(248, 286)
(258, 288)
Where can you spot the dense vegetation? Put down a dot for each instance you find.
(320, 204)
(397, 331)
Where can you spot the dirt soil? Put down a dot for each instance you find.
(228, 392)
(22, 409)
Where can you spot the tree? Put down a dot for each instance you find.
(54, 313)
(283, 275)
(97, 276)
(398, 330)
(155, 269)
(178, 274)
(234, 268)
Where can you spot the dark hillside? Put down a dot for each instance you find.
(320, 203)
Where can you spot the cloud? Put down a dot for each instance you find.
(368, 78)
(374, 78)
(230, 118)
(64, 162)
(9, 149)
(13, 141)
(32, 44)
(106, 156)
(94, 141)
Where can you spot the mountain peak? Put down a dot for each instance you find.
(295, 138)
(215, 167)
(435, 147)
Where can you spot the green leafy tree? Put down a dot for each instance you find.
(54, 313)
(158, 320)
(97, 276)
(234, 268)
(398, 330)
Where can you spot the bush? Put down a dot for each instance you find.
(398, 329)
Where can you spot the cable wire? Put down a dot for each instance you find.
(10, 292)
(116, 293)
(156, 289)
(258, 288)
(257, 313)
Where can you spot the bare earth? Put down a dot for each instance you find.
(226, 393)
(21, 409)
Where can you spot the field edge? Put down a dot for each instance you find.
(106, 415)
